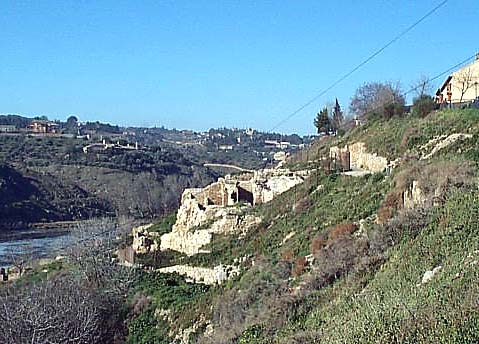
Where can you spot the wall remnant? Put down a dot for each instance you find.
(209, 276)
(143, 240)
(356, 157)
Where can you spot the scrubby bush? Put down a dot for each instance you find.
(287, 255)
(317, 243)
(299, 266)
(57, 310)
(302, 205)
(389, 206)
(423, 105)
(341, 230)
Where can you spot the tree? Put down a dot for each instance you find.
(464, 80)
(83, 304)
(422, 86)
(337, 116)
(382, 98)
(322, 121)
(72, 124)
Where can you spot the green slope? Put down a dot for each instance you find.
(364, 285)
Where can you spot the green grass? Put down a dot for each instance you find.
(393, 308)
(165, 225)
(168, 292)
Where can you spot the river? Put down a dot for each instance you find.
(32, 244)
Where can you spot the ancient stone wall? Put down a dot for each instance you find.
(209, 276)
(204, 212)
(359, 158)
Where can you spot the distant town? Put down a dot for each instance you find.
(103, 137)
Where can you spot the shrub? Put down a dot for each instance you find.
(394, 109)
(140, 303)
(317, 244)
(423, 105)
(287, 255)
(341, 230)
(389, 206)
(299, 266)
(302, 205)
(251, 335)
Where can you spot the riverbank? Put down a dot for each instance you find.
(15, 226)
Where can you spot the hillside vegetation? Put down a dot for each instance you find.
(340, 259)
(58, 181)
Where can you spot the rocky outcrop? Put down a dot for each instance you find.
(189, 237)
(144, 241)
(356, 157)
(414, 196)
(429, 275)
(441, 142)
(209, 276)
(222, 207)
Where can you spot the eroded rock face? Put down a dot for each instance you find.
(189, 243)
(222, 207)
(414, 196)
(189, 237)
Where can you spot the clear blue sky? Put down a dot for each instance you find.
(199, 64)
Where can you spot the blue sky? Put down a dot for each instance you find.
(199, 64)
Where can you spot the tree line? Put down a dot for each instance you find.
(377, 99)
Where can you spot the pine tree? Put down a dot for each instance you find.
(322, 121)
(338, 117)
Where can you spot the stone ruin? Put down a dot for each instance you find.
(356, 157)
(253, 188)
(221, 207)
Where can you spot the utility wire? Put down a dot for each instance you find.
(112, 231)
(364, 62)
(443, 73)
(437, 76)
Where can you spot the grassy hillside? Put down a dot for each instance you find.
(362, 278)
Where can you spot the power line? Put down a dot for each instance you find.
(437, 76)
(443, 73)
(364, 62)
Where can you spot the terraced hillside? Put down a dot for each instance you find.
(385, 257)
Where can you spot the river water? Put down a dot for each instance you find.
(32, 244)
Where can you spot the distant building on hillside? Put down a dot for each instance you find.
(461, 87)
(8, 129)
(40, 126)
